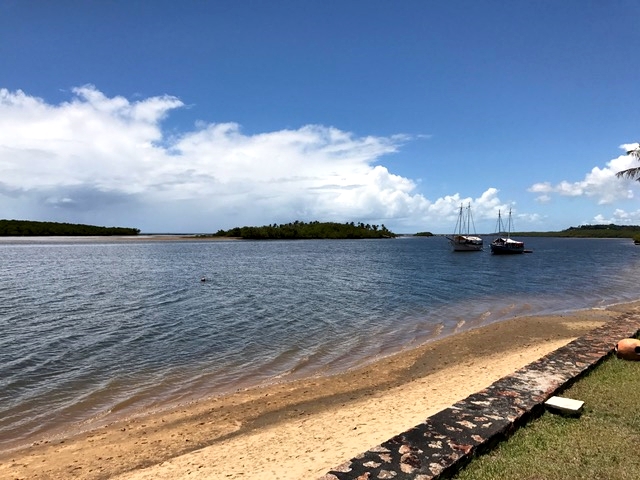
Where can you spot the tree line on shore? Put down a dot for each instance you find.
(294, 230)
(590, 231)
(308, 230)
(27, 228)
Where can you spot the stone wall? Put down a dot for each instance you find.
(446, 441)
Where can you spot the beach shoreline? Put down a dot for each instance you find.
(143, 237)
(303, 428)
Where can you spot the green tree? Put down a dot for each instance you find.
(634, 172)
(315, 229)
(27, 228)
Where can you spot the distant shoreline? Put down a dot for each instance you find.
(113, 238)
(168, 237)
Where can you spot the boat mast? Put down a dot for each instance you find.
(468, 214)
(499, 226)
(471, 226)
(460, 223)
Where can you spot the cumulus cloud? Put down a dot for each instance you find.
(628, 147)
(485, 207)
(92, 141)
(619, 217)
(95, 157)
(600, 183)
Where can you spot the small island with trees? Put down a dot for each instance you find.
(27, 228)
(307, 230)
(590, 231)
(293, 231)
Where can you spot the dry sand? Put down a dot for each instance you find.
(300, 430)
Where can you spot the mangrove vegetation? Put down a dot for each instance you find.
(27, 228)
(590, 231)
(308, 230)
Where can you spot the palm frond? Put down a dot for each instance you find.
(633, 173)
(635, 152)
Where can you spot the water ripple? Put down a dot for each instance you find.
(93, 330)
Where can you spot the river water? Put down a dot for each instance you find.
(94, 329)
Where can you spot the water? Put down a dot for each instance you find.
(93, 330)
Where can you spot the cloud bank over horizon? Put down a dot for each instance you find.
(600, 183)
(108, 161)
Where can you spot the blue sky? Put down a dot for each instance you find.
(197, 116)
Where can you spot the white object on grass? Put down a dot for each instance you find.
(566, 405)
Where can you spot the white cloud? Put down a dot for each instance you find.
(106, 160)
(543, 198)
(105, 143)
(484, 209)
(619, 217)
(600, 183)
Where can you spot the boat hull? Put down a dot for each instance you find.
(506, 247)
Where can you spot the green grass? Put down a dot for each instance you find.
(603, 443)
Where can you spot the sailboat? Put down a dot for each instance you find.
(462, 240)
(504, 244)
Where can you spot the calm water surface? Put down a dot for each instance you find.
(96, 329)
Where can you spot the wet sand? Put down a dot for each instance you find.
(304, 428)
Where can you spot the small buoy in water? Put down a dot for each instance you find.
(628, 349)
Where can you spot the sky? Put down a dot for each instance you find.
(196, 116)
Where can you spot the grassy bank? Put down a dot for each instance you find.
(602, 443)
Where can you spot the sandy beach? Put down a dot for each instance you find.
(304, 428)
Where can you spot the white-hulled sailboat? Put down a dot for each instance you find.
(462, 239)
